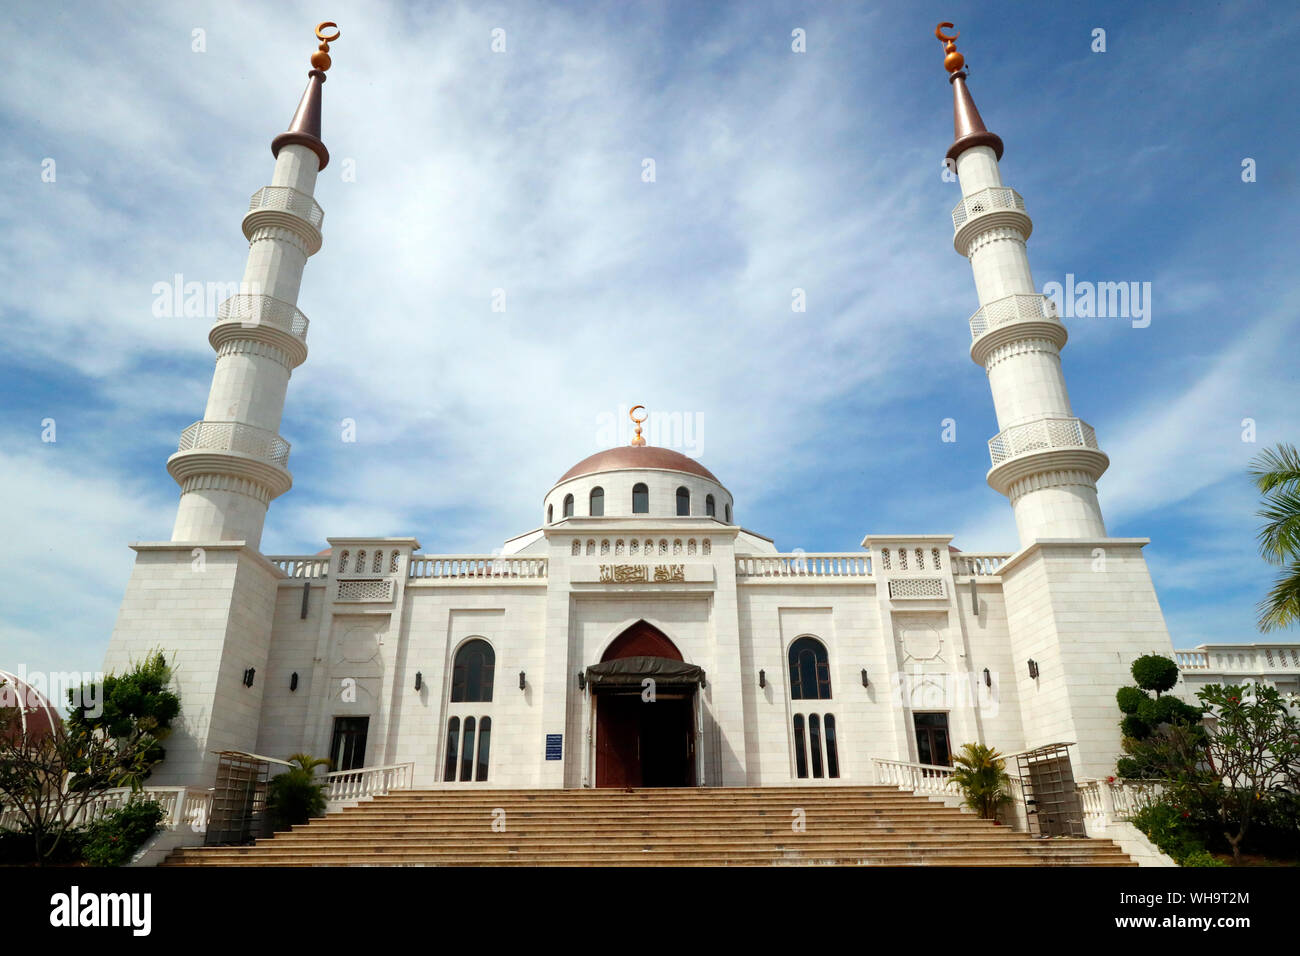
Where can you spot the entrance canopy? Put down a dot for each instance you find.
(627, 672)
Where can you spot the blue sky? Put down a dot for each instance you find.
(521, 171)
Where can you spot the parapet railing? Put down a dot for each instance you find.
(238, 437)
(1041, 435)
(824, 566)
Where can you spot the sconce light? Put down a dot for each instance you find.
(582, 681)
(1033, 669)
(988, 678)
(419, 680)
(762, 678)
(248, 677)
(521, 680)
(865, 682)
(293, 681)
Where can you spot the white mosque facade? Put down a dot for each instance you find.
(640, 635)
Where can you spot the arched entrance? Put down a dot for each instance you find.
(644, 737)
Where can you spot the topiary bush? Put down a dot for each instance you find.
(114, 837)
(1130, 699)
(1154, 672)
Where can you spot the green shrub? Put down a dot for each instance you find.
(981, 774)
(1201, 858)
(1135, 727)
(1172, 829)
(1153, 672)
(296, 796)
(114, 837)
(1130, 699)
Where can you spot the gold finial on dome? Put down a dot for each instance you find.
(320, 60)
(952, 61)
(637, 439)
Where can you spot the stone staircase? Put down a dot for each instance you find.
(878, 826)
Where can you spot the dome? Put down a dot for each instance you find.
(626, 457)
(36, 715)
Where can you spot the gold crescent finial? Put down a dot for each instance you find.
(631, 413)
(952, 61)
(320, 60)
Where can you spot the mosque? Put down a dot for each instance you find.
(640, 634)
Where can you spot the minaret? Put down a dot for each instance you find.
(1044, 458)
(233, 462)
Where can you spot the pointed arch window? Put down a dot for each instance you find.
(597, 507)
(810, 671)
(568, 506)
(683, 502)
(471, 674)
(710, 507)
(640, 499)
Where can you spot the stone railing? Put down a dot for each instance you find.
(1192, 660)
(917, 777)
(302, 566)
(1114, 801)
(237, 437)
(1245, 659)
(290, 200)
(348, 785)
(1040, 435)
(826, 566)
(992, 199)
(975, 564)
(182, 806)
(477, 567)
(1012, 308)
(264, 310)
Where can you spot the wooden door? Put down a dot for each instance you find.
(618, 743)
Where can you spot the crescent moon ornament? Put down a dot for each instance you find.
(939, 35)
(631, 413)
(338, 33)
(952, 61)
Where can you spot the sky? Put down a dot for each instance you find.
(463, 178)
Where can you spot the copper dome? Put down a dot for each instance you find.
(36, 715)
(637, 456)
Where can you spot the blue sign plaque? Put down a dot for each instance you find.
(554, 746)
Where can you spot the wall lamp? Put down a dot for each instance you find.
(248, 677)
(988, 678)
(582, 681)
(521, 680)
(865, 682)
(1033, 669)
(293, 681)
(419, 680)
(762, 678)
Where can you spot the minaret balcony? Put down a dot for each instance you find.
(236, 437)
(1045, 444)
(1014, 317)
(232, 454)
(987, 209)
(287, 208)
(262, 318)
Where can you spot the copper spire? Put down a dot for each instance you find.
(967, 126)
(304, 128)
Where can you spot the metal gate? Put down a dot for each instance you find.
(238, 812)
(1052, 804)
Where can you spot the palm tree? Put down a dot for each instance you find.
(982, 775)
(1277, 475)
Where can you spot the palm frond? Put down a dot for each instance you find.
(1276, 467)
(1280, 536)
(1281, 608)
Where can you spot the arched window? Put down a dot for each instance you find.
(710, 508)
(550, 513)
(471, 675)
(727, 509)
(683, 502)
(640, 499)
(453, 738)
(597, 508)
(568, 506)
(800, 754)
(810, 671)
